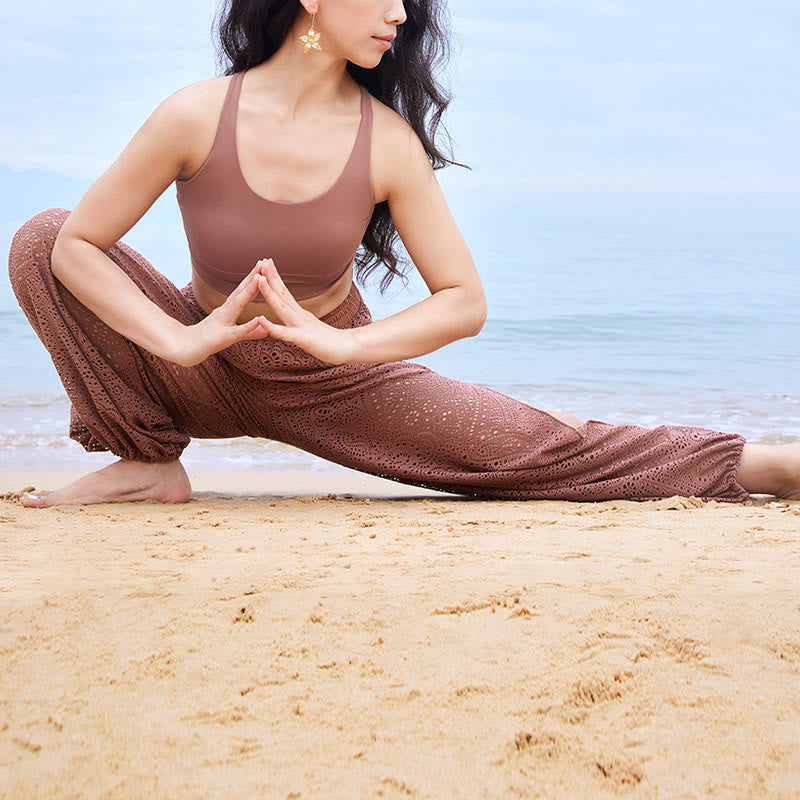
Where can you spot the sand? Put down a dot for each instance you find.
(262, 642)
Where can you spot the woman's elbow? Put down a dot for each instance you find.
(57, 258)
(61, 256)
(477, 315)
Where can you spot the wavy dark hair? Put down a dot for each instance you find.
(250, 31)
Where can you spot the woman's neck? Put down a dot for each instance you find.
(299, 81)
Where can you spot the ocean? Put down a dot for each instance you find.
(627, 326)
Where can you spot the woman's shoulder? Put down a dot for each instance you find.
(389, 123)
(393, 130)
(194, 102)
(193, 113)
(393, 135)
(398, 155)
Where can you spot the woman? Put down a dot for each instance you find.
(271, 338)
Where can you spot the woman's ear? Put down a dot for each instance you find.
(311, 6)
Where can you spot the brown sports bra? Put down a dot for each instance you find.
(229, 227)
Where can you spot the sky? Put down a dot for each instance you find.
(579, 113)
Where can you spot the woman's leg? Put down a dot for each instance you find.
(124, 399)
(763, 469)
(771, 469)
(404, 422)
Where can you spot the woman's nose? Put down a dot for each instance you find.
(397, 14)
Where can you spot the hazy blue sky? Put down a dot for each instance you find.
(581, 112)
(698, 95)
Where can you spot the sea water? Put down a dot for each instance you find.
(644, 327)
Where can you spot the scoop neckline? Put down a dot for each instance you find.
(289, 203)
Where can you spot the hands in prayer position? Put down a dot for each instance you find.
(220, 328)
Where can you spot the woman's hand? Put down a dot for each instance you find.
(298, 326)
(219, 329)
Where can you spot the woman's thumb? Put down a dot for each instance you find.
(256, 328)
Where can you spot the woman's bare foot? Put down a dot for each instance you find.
(121, 482)
(771, 469)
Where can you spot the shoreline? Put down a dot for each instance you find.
(265, 639)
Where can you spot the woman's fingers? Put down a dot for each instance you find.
(247, 289)
(263, 279)
(256, 328)
(244, 294)
(276, 282)
(275, 301)
(246, 284)
(294, 324)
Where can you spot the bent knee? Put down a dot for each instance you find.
(32, 247)
(567, 419)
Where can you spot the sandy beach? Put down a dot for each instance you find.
(338, 636)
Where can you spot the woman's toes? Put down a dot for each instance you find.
(38, 499)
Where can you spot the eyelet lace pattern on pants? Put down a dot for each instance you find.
(398, 420)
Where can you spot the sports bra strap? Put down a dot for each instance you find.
(226, 131)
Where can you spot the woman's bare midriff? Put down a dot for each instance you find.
(209, 298)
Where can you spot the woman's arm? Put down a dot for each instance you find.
(153, 159)
(402, 174)
(457, 305)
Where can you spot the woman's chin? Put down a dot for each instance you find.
(367, 61)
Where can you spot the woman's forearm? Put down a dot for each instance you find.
(444, 317)
(97, 282)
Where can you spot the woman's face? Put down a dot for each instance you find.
(359, 30)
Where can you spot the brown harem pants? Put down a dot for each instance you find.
(396, 420)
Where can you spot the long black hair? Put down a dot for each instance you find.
(250, 31)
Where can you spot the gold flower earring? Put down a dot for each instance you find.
(311, 39)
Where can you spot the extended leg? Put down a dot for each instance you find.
(407, 423)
